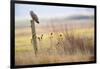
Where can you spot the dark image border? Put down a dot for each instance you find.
(12, 33)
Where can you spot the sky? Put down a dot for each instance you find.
(45, 11)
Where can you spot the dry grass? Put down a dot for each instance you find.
(28, 58)
(74, 45)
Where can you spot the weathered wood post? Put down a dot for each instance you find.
(34, 41)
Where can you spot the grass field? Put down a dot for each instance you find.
(73, 45)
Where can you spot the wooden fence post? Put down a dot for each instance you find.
(34, 41)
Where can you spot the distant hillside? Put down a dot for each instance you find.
(78, 17)
(82, 20)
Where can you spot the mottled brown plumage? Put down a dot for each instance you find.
(34, 17)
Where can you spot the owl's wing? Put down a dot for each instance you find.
(36, 18)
